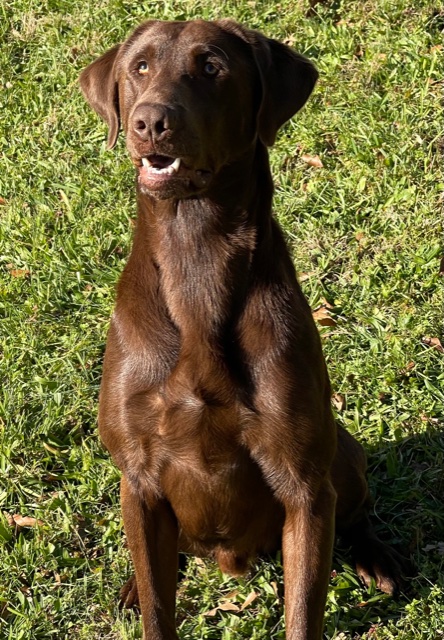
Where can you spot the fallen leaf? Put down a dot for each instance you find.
(435, 343)
(19, 273)
(248, 600)
(338, 401)
(24, 521)
(2, 201)
(225, 606)
(407, 368)
(302, 277)
(313, 161)
(323, 317)
(228, 606)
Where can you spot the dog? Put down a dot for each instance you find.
(215, 397)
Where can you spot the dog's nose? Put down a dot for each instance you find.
(153, 121)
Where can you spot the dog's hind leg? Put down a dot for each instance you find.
(373, 558)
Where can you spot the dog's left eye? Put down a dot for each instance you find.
(142, 68)
(210, 70)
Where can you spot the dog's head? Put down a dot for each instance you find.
(193, 97)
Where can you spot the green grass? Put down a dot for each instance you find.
(365, 231)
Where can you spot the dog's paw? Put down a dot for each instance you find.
(378, 561)
(129, 596)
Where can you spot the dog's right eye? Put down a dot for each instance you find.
(142, 68)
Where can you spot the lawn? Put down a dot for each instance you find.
(365, 232)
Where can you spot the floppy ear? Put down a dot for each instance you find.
(99, 86)
(288, 78)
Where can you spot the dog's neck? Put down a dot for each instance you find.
(203, 246)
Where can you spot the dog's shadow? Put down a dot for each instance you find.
(407, 484)
(406, 480)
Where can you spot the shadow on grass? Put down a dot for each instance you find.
(407, 484)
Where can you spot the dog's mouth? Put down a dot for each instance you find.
(164, 174)
(161, 165)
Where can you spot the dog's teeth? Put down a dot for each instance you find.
(169, 170)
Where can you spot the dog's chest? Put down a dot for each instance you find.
(207, 474)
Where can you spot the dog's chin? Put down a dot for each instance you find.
(168, 188)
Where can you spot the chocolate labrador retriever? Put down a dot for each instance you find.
(215, 399)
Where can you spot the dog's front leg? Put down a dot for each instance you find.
(151, 530)
(307, 550)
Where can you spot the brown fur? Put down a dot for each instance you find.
(215, 399)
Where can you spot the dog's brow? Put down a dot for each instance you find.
(214, 46)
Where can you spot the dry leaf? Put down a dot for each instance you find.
(225, 606)
(24, 521)
(435, 343)
(302, 277)
(248, 600)
(338, 401)
(322, 317)
(409, 366)
(19, 273)
(2, 201)
(228, 606)
(312, 161)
